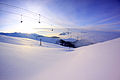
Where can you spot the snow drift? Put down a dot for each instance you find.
(94, 62)
(24, 62)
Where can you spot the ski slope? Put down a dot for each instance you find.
(26, 42)
(24, 59)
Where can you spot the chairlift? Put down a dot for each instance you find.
(52, 29)
(21, 19)
(39, 19)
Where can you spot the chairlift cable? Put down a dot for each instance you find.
(29, 11)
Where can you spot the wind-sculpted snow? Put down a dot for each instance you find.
(94, 62)
(52, 62)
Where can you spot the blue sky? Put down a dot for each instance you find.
(88, 14)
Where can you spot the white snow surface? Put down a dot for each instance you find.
(24, 59)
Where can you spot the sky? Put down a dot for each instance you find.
(87, 14)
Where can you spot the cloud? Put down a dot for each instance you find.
(108, 19)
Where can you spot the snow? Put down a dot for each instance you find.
(70, 39)
(84, 38)
(92, 36)
(21, 61)
(25, 41)
(24, 59)
(82, 42)
(32, 36)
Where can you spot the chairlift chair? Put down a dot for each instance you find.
(21, 19)
(39, 18)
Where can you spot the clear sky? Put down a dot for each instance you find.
(88, 14)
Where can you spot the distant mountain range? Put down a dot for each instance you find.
(83, 39)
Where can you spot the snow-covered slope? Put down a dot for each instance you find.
(24, 62)
(32, 36)
(22, 58)
(78, 39)
(26, 41)
(95, 62)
